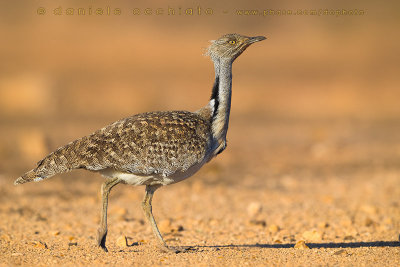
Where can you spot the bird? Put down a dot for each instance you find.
(153, 149)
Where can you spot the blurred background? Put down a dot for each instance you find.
(319, 96)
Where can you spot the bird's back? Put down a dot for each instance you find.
(154, 143)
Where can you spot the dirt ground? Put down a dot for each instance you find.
(311, 173)
(248, 207)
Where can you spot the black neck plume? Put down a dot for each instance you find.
(215, 96)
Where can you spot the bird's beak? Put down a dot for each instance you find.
(256, 39)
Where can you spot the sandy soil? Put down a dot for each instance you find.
(251, 206)
(311, 174)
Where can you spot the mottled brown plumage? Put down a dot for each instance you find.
(154, 143)
(155, 148)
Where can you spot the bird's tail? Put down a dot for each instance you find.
(60, 161)
(30, 176)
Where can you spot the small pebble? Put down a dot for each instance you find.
(312, 235)
(179, 228)
(121, 211)
(273, 228)
(388, 221)
(348, 237)
(120, 214)
(340, 252)
(369, 209)
(346, 222)
(323, 225)
(254, 209)
(165, 226)
(55, 233)
(301, 245)
(369, 222)
(5, 237)
(39, 244)
(122, 241)
(249, 234)
(213, 222)
(17, 254)
(258, 222)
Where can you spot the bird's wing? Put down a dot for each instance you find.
(147, 143)
(156, 142)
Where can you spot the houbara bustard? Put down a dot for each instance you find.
(156, 148)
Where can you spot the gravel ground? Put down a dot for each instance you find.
(329, 200)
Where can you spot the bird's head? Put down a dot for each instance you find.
(230, 46)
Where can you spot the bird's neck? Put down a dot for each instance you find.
(221, 100)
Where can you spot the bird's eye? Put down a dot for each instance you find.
(232, 42)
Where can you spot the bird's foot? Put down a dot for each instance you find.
(104, 248)
(101, 240)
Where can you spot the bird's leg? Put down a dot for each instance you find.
(102, 231)
(146, 205)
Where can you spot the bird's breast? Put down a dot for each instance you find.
(155, 178)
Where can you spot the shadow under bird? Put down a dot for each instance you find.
(155, 148)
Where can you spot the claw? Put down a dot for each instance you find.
(103, 244)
